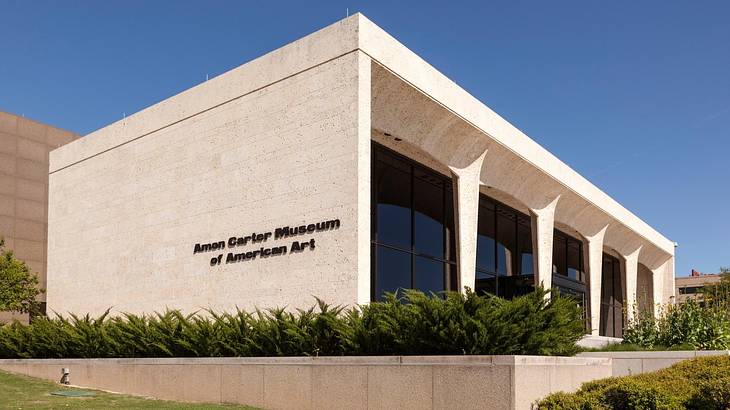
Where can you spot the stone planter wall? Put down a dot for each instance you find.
(402, 382)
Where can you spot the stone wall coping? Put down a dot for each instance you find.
(662, 354)
(468, 360)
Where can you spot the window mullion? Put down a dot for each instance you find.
(496, 254)
(374, 226)
(413, 228)
(444, 240)
(517, 268)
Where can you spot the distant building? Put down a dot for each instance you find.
(690, 287)
(24, 148)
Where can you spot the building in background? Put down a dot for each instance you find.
(690, 287)
(340, 166)
(24, 148)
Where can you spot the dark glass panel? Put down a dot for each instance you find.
(618, 320)
(394, 206)
(606, 327)
(451, 274)
(575, 294)
(512, 286)
(524, 239)
(413, 211)
(506, 241)
(573, 289)
(559, 255)
(429, 275)
(394, 271)
(579, 296)
(485, 283)
(504, 246)
(392, 159)
(606, 281)
(611, 298)
(527, 264)
(429, 216)
(574, 259)
(618, 297)
(485, 239)
(450, 225)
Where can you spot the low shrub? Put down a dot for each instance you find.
(713, 394)
(701, 383)
(687, 324)
(413, 324)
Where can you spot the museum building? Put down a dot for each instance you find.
(340, 166)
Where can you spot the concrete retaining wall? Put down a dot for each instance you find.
(628, 363)
(434, 382)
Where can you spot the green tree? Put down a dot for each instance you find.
(718, 294)
(18, 285)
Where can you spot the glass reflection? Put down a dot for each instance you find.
(413, 226)
(394, 271)
(504, 250)
(429, 216)
(429, 275)
(393, 206)
(611, 298)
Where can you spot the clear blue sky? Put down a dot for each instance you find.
(633, 95)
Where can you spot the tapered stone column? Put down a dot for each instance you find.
(631, 270)
(543, 223)
(466, 214)
(594, 256)
(657, 284)
(663, 285)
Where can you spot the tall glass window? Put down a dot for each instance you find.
(504, 250)
(612, 301)
(569, 277)
(413, 238)
(568, 257)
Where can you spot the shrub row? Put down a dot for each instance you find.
(686, 324)
(702, 383)
(414, 324)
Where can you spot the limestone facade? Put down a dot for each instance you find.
(285, 141)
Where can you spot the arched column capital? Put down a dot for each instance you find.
(472, 169)
(632, 256)
(546, 209)
(596, 236)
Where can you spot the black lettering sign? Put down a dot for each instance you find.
(261, 239)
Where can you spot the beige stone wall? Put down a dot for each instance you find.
(124, 221)
(628, 363)
(24, 147)
(371, 382)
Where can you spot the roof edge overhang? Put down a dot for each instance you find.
(343, 37)
(402, 62)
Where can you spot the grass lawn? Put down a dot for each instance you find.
(22, 392)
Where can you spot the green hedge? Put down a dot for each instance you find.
(416, 324)
(702, 383)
